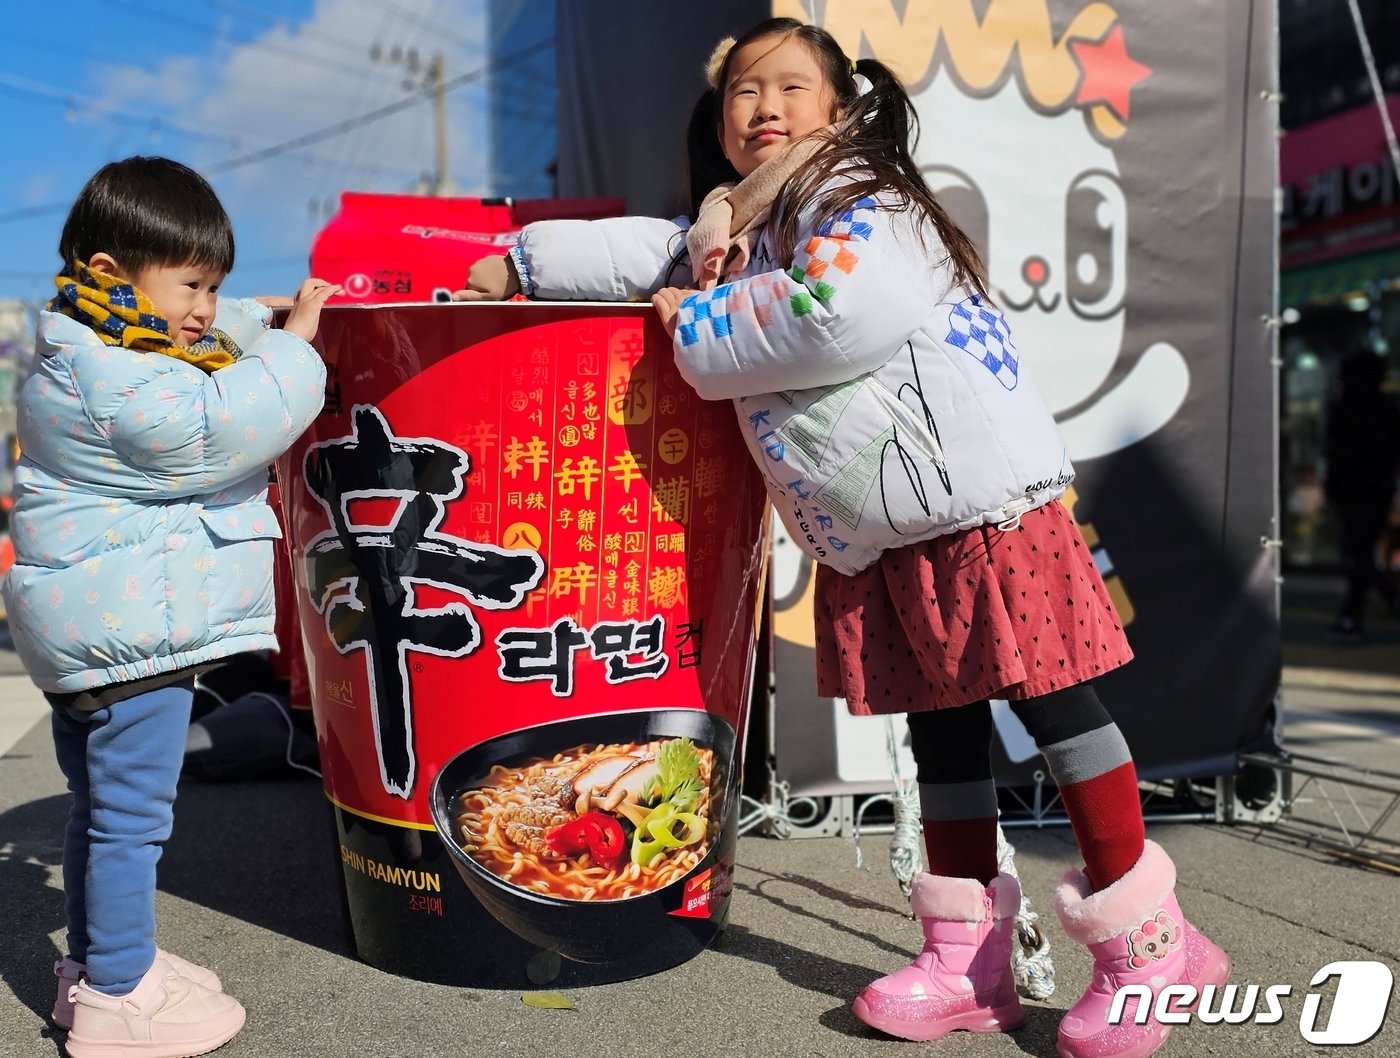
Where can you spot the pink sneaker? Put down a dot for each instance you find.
(962, 978)
(1137, 935)
(164, 1016)
(69, 973)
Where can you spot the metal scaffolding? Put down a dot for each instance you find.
(1333, 805)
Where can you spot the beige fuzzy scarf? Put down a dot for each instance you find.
(722, 238)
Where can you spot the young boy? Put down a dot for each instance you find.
(143, 547)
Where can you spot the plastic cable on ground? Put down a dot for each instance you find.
(282, 709)
(780, 813)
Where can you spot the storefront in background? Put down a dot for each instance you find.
(1339, 294)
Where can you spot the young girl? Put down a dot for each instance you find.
(143, 546)
(907, 450)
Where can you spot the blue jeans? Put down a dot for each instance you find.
(122, 764)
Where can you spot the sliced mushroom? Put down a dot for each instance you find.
(631, 784)
(600, 775)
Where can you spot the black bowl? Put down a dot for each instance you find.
(597, 930)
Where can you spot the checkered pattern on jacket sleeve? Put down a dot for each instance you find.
(856, 291)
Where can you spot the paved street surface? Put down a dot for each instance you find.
(248, 887)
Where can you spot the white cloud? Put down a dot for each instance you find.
(37, 188)
(296, 80)
(175, 87)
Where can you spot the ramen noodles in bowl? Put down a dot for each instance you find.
(593, 822)
(608, 838)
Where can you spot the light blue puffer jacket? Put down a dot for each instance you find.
(143, 537)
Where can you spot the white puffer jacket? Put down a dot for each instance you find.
(884, 404)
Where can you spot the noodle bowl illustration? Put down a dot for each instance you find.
(540, 826)
(575, 834)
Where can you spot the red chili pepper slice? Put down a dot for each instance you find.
(606, 841)
(569, 839)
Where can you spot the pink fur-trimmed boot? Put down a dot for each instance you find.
(1137, 935)
(962, 978)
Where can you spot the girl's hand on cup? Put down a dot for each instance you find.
(305, 317)
(667, 302)
(490, 279)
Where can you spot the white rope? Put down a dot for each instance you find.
(1376, 88)
(285, 709)
(281, 708)
(906, 845)
(1031, 965)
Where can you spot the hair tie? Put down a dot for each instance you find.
(715, 63)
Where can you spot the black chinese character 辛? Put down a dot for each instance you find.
(361, 577)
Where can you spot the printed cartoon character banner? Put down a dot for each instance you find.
(528, 566)
(1115, 163)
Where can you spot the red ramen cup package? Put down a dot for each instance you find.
(528, 566)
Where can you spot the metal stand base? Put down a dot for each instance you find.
(1328, 804)
(850, 815)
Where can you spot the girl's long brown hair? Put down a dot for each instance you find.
(871, 145)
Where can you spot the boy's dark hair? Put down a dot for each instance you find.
(148, 211)
(872, 143)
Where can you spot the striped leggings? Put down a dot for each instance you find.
(1086, 755)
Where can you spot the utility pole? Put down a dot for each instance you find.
(441, 185)
(433, 83)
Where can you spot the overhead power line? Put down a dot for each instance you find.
(339, 128)
(209, 29)
(157, 123)
(290, 24)
(349, 124)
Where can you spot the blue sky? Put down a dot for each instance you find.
(211, 83)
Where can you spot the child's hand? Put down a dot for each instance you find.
(305, 316)
(274, 301)
(490, 279)
(667, 302)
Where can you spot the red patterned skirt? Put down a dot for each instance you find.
(983, 613)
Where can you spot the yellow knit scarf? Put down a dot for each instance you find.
(120, 314)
